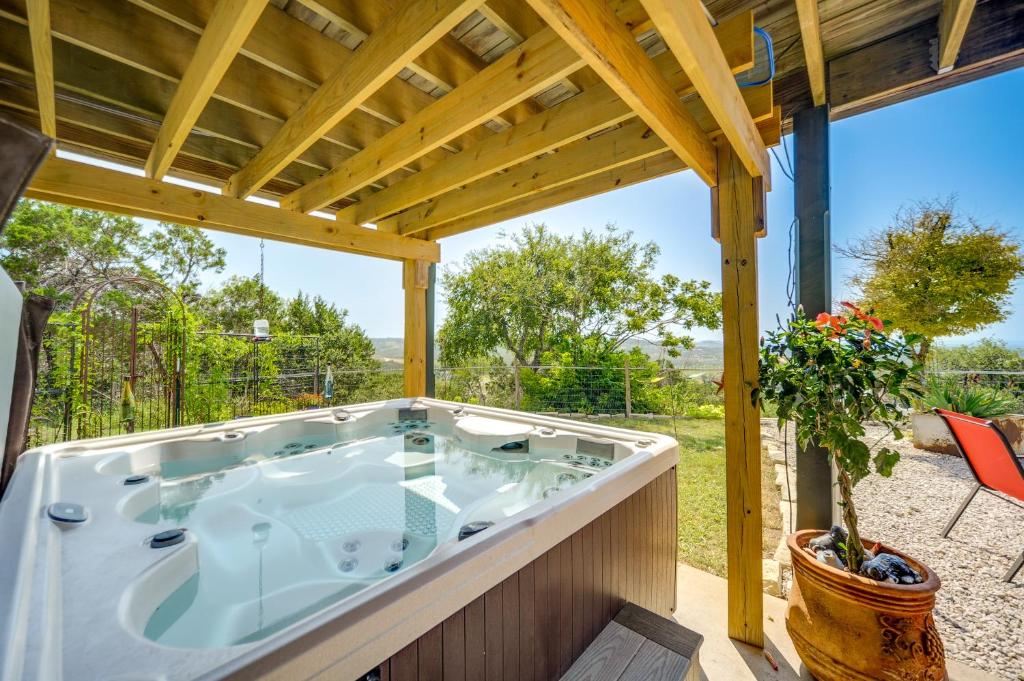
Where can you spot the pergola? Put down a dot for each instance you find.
(379, 127)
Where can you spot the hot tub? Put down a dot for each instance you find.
(351, 542)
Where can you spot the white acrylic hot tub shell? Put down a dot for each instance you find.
(69, 612)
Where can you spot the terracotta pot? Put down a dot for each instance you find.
(847, 627)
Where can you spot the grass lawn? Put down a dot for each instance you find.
(701, 477)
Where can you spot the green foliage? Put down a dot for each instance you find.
(967, 397)
(937, 273)
(988, 354)
(179, 255)
(236, 303)
(66, 252)
(542, 294)
(828, 377)
(706, 411)
(60, 251)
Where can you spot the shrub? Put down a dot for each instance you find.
(831, 375)
(706, 411)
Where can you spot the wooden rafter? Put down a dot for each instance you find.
(108, 96)
(446, 64)
(953, 20)
(42, 63)
(229, 26)
(632, 142)
(522, 72)
(810, 35)
(284, 56)
(75, 183)
(305, 58)
(687, 32)
(596, 108)
(599, 36)
(407, 32)
(632, 173)
(640, 171)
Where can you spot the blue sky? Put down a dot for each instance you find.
(967, 140)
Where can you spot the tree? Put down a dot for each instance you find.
(61, 251)
(937, 273)
(342, 344)
(541, 293)
(988, 354)
(179, 254)
(235, 304)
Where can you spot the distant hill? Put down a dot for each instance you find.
(705, 354)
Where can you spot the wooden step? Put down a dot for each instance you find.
(639, 645)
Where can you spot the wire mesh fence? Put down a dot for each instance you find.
(1008, 383)
(229, 376)
(586, 391)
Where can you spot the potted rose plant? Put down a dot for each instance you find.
(857, 610)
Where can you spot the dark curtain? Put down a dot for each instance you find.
(22, 150)
(34, 315)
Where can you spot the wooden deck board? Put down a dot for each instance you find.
(639, 645)
(654, 663)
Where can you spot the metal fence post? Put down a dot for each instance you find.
(518, 388)
(629, 389)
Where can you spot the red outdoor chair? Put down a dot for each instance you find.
(993, 463)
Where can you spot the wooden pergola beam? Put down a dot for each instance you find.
(596, 108)
(902, 66)
(42, 63)
(414, 26)
(634, 141)
(687, 32)
(75, 183)
(814, 57)
(665, 163)
(223, 37)
(520, 73)
(954, 18)
(606, 44)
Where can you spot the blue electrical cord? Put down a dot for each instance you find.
(771, 58)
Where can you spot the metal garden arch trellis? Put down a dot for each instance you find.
(114, 372)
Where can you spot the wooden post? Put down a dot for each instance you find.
(431, 378)
(415, 280)
(736, 230)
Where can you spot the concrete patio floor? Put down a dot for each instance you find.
(701, 606)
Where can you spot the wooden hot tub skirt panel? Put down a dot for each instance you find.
(534, 624)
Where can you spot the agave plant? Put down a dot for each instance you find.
(944, 392)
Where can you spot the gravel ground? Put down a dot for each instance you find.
(980, 617)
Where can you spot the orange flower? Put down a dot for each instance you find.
(859, 314)
(831, 323)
